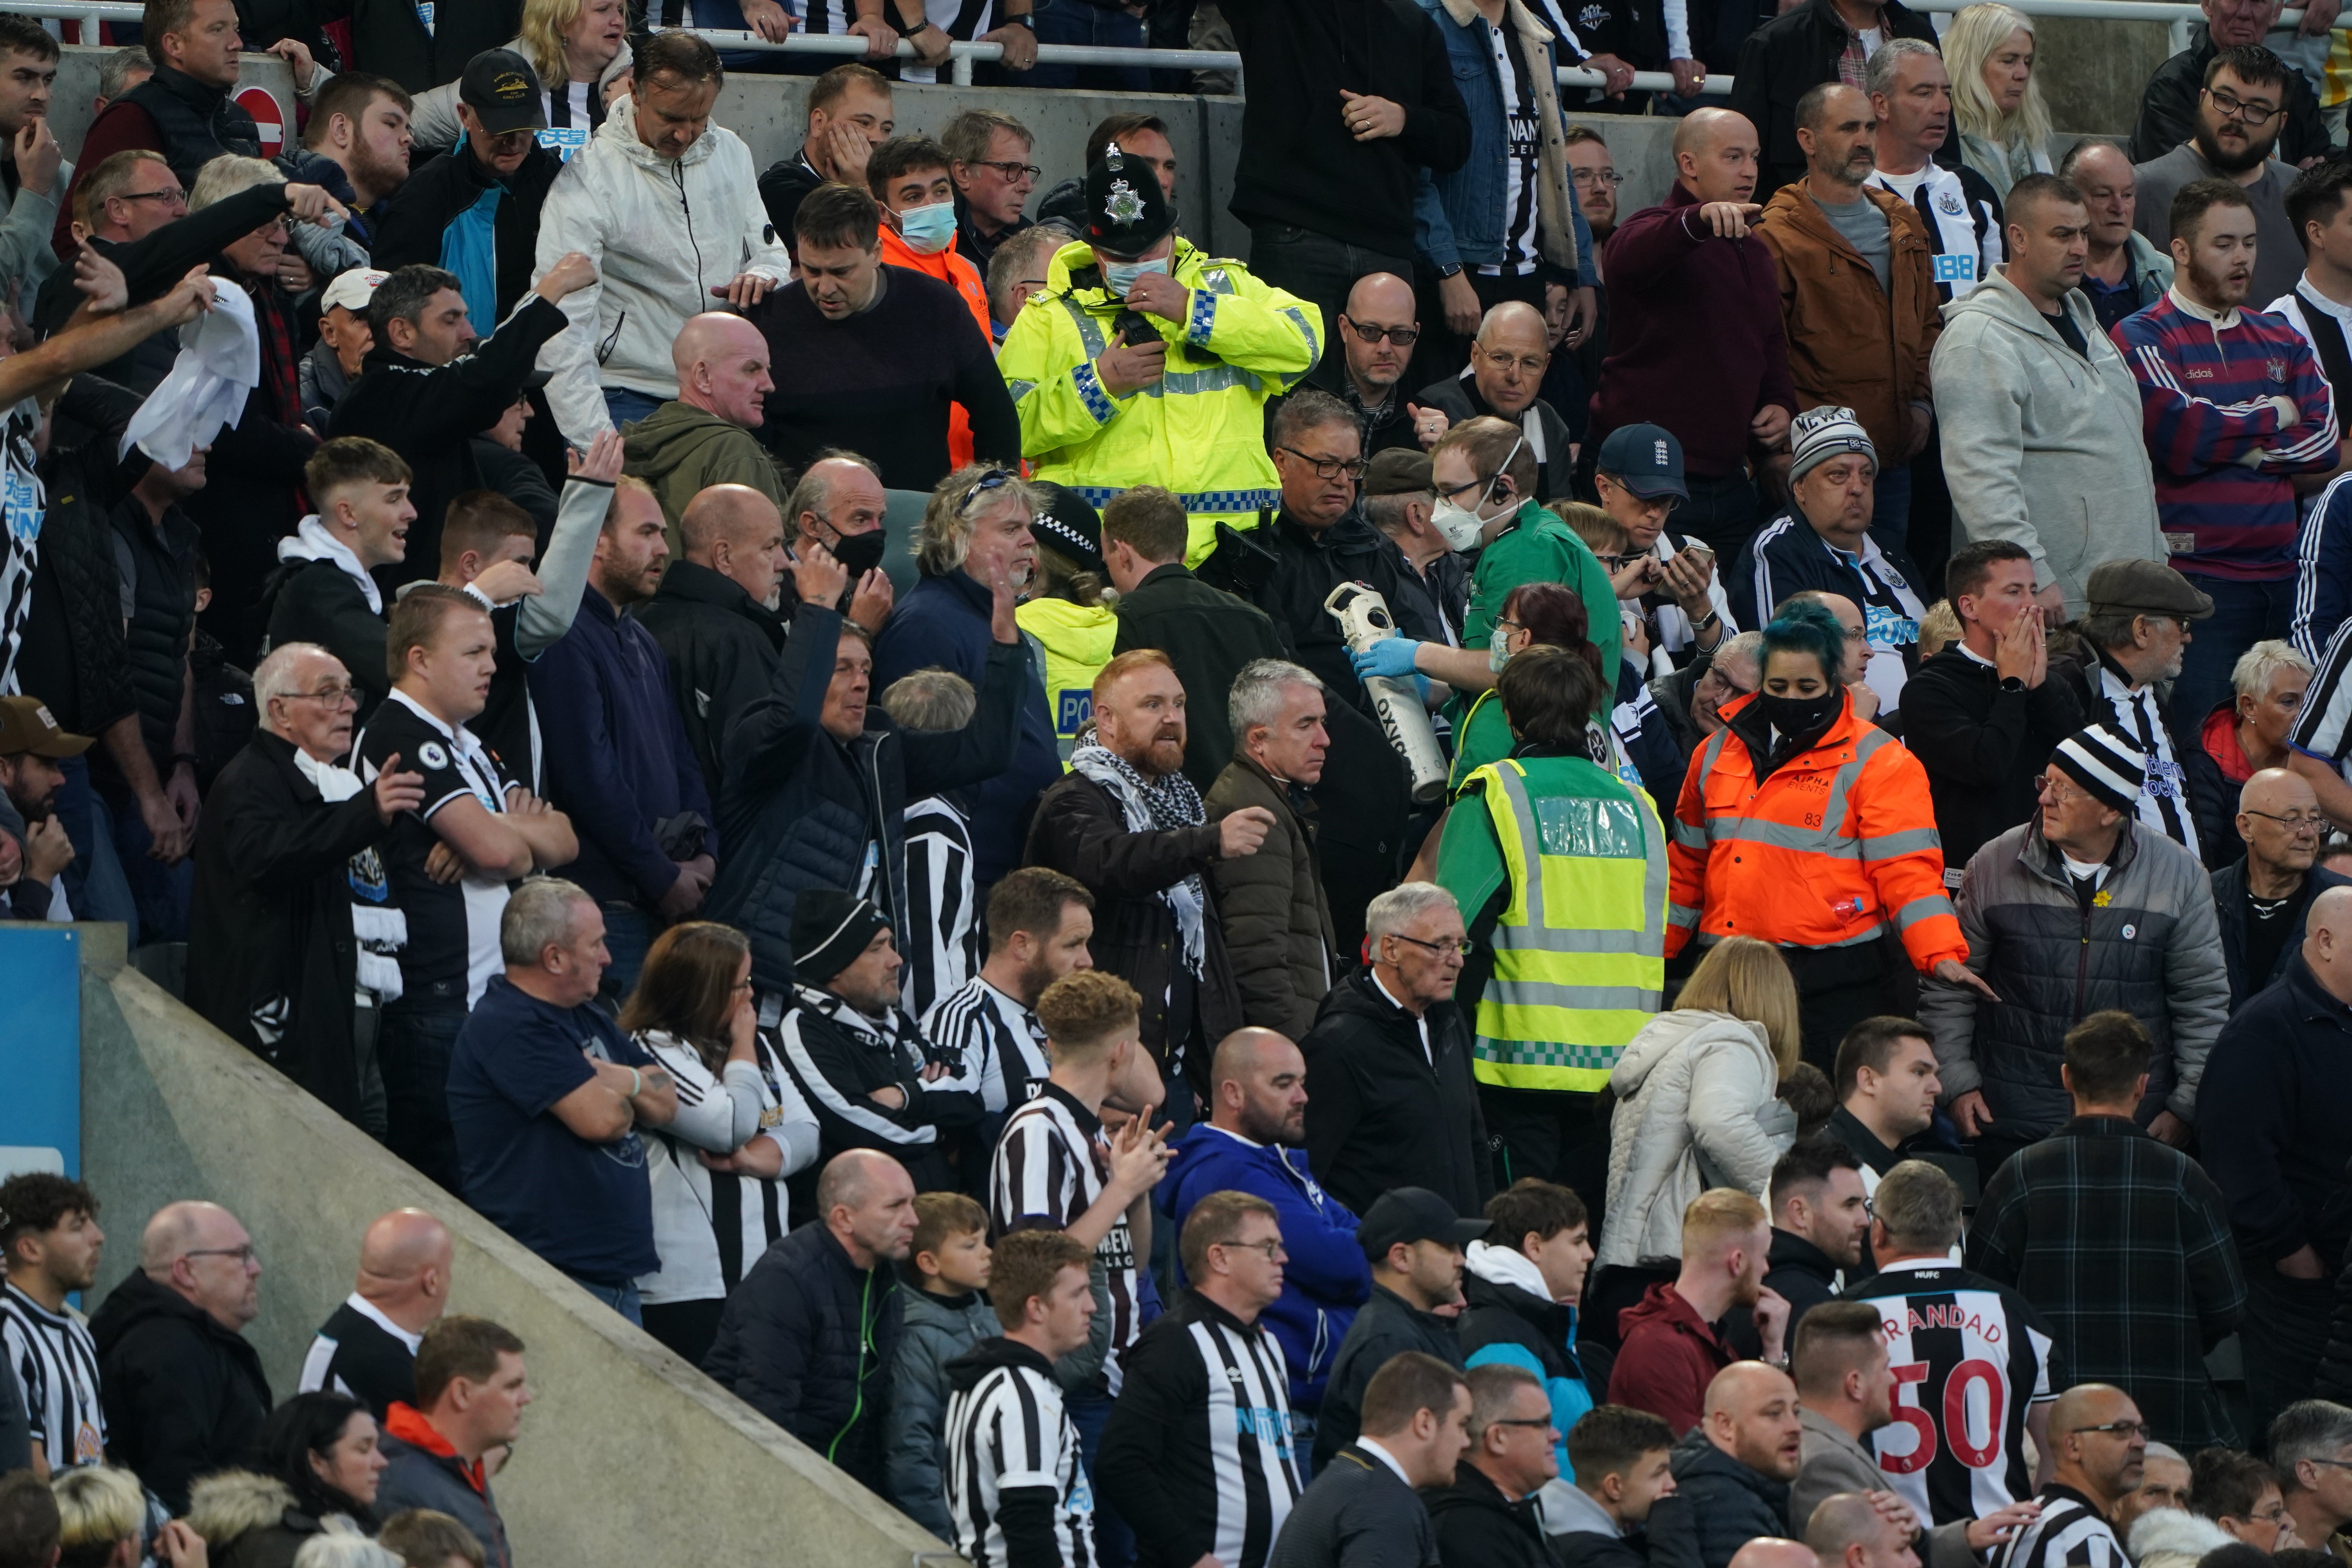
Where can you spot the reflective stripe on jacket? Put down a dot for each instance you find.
(1200, 430)
(1580, 946)
(1827, 850)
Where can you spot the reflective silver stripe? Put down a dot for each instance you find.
(1873, 934)
(1924, 908)
(1192, 382)
(1659, 876)
(1589, 998)
(1689, 837)
(1021, 389)
(1834, 810)
(1090, 332)
(1544, 939)
(1523, 813)
(1887, 846)
(1779, 835)
(1681, 915)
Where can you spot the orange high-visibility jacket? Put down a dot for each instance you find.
(962, 276)
(1829, 849)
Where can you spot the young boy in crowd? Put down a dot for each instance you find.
(946, 1315)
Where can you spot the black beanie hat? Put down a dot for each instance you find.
(830, 928)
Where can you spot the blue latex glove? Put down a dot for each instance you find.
(1391, 658)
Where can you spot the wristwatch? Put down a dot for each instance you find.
(1023, 18)
(1454, 270)
(2013, 683)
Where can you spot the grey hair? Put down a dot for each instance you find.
(1492, 1389)
(946, 537)
(1745, 646)
(274, 676)
(540, 914)
(813, 493)
(1257, 693)
(2260, 664)
(226, 175)
(1878, 75)
(1920, 1207)
(1387, 513)
(2307, 1429)
(340, 1545)
(2166, 1451)
(1401, 905)
(115, 70)
(931, 702)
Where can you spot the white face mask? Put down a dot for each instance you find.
(1497, 655)
(1120, 275)
(1461, 526)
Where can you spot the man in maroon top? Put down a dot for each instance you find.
(1695, 341)
(1671, 1350)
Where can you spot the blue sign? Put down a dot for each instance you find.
(40, 1018)
(564, 140)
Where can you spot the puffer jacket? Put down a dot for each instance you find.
(798, 807)
(2174, 1538)
(433, 122)
(2149, 944)
(937, 1329)
(1851, 343)
(666, 231)
(1277, 925)
(1695, 1110)
(1726, 1505)
(2041, 447)
(1202, 426)
(808, 1340)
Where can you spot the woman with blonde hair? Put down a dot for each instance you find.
(717, 1170)
(1997, 105)
(578, 47)
(1696, 1106)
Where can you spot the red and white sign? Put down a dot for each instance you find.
(258, 102)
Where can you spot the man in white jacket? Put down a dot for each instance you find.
(667, 206)
(2041, 417)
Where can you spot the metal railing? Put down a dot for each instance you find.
(90, 14)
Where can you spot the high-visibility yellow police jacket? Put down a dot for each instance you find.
(1200, 431)
(1077, 640)
(1577, 858)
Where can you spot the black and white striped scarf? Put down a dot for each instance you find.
(1160, 804)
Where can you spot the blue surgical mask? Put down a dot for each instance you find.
(1120, 275)
(928, 230)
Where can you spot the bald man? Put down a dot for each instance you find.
(2271, 1117)
(1507, 361)
(182, 1389)
(1775, 1551)
(703, 437)
(839, 503)
(715, 613)
(1850, 1530)
(1858, 295)
(1696, 339)
(2099, 1444)
(790, 1342)
(1734, 1468)
(2264, 899)
(1255, 1142)
(1377, 332)
(367, 1347)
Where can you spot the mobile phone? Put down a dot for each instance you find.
(1702, 554)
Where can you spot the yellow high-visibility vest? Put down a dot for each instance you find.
(1077, 640)
(1580, 949)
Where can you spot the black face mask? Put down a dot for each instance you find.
(1795, 715)
(858, 554)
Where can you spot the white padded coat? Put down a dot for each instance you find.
(1695, 1110)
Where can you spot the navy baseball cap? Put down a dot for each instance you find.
(1413, 1214)
(1645, 458)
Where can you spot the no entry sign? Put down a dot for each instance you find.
(258, 102)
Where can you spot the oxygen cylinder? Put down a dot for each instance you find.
(1364, 619)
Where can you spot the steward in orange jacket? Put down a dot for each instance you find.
(1827, 848)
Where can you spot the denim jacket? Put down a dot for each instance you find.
(1458, 217)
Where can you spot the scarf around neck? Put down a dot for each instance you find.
(1159, 804)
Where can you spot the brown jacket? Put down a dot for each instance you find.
(1277, 927)
(1846, 345)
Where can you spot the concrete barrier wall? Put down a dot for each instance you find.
(628, 1455)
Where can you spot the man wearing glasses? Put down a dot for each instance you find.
(2263, 900)
(1376, 334)
(294, 933)
(2169, 104)
(1504, 377)
(2135, 635)
(2100, 1444)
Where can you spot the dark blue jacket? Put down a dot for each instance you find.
(944, 622)
(798, 807)
(2229, 909)
(617, 760)
(2271, 1118)
(1327, 1278)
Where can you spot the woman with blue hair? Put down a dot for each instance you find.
(1805, 825)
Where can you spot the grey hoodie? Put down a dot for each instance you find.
(2040, 446)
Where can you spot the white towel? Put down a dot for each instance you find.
(219, 365)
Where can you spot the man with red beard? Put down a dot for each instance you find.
(2233, 407)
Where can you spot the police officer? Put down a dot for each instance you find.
(1146, 362)
(1068, 618)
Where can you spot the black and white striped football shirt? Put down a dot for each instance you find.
(1045, 1175)
(1007, 1432)
(1200, 1456)
(2164, 800)
(1000, 1041)
(2324, 728)
(2071, 1534)
(56, 1365)
(940, 940)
